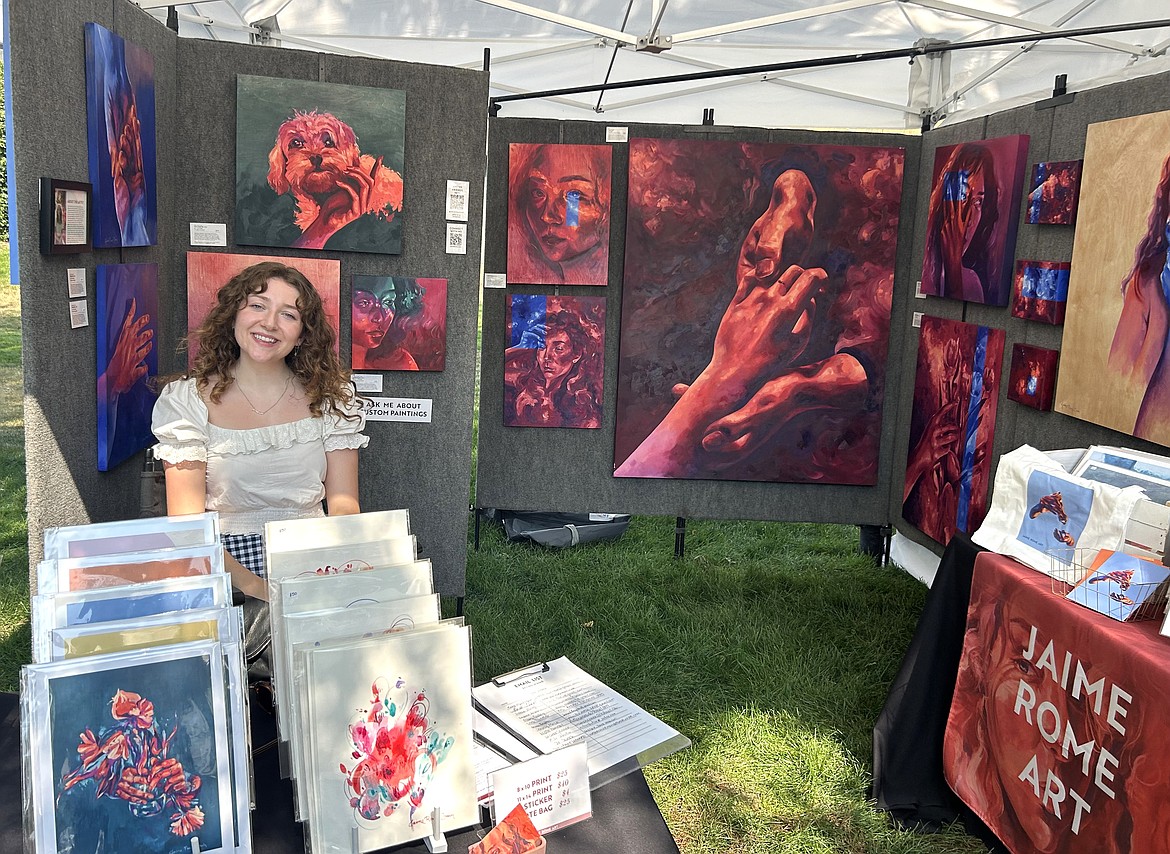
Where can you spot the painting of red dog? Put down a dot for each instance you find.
(319, 165)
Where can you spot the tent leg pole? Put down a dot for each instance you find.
(680, 535)
(476, 529)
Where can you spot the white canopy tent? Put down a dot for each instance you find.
(547, 45)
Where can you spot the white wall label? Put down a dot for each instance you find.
(417, 409)
(208, 234)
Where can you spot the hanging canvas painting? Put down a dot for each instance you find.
(1033, 376)
(127, 358)
(388, 734)
(558, 214)
(319, 165)
(972, 218)
(952, 427)
(1113, 363)
(398, 323)
(554, 364)
(1056, 186)
(131, 752)
(207, 272)
(755, 310)
(1040, 291)
(119, 95)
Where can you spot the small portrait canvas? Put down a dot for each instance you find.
(554, 362)
(558, 214)
(1033, 376)
(319, 165)
(127, 357)
(207, 272)
(1040, 291)
(120, 125)
(972, 218)
(398, 324)
(1056, 188)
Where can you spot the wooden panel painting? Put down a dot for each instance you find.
(207, 272)
(1040, 291)
(127, 358)
(398, 324)
(120, 119)
(1033, 376)
(972, 218)
(558, 214)
(1056, 187)
(319, 165)
(554, 362)
(952, 426)
(1113, 369)
(755, 310)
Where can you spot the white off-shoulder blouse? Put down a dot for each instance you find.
(254, 476)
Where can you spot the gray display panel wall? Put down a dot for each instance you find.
(1056, 133)
(425, 467)
(569, 470)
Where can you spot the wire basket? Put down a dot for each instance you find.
(1106, 593)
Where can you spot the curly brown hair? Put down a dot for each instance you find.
(313, 361)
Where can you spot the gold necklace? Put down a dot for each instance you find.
(284, 391)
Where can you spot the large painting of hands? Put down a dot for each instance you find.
(755, 310)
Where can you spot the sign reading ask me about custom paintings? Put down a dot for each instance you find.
(755, 310)
(319, 165)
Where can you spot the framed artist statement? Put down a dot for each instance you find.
(972, 218)
(127, 357)
(1113, 354)
(554, 364)
(558, 214)
(65, 217)
(398, 323)
(120, 118)
(952, 427)
(720, 377)
(319, 165)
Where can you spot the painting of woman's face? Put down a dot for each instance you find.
(561, 205)
(373, 315)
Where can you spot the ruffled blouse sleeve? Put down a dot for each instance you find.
(179, 422)
(343, 433)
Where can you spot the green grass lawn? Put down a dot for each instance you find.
(771, 646)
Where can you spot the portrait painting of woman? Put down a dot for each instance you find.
(971, 222)
(554, 363)
(558, 214)
(398, 323)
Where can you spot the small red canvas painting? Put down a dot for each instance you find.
(1056, 187)
(1033, 376)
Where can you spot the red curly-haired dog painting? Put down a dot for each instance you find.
(319, 165)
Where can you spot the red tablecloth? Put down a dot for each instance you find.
(1059, 730)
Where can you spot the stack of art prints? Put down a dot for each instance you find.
(398, 324)
(120, 119)
(554, 364)
(127, 358)
(755, 310)
(1033, 376)
(1041, 291)
(1114, 369)
(952, 427)
(972, 218)
(319, 165)
(559, 214)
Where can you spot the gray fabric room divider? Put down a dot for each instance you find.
(424, 467)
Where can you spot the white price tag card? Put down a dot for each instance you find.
(208, 234)
(78, 314)
(367, 383)
(76, 282)
(553, 788)
(414, 409)
(617, 134)
(495, 280)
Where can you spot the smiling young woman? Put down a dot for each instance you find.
(265, 425)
